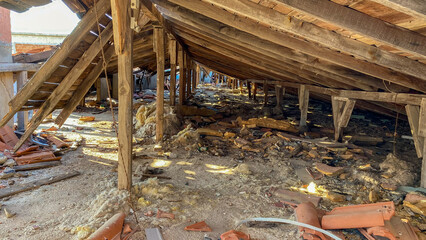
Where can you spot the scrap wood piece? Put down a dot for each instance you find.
(153, 234)
(272, 123)
(294, 198)
(87, 119)
(328, 170)
(209, 132)
(35, 184)
(35, 166)
(199, 227)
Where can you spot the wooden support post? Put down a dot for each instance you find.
(22, 78)
(188, 75)
(98, 90)
(123, 42)
(254, 91)
(172, 53)
(249, 89)
(194, 76)
(342, 111)
(159, 50)
(413, 114)
(6, 94)
(422, 133)
(197, 75)
(279, 95)
(216, 79)
(303, 106)
(266, 91)
(182, 77)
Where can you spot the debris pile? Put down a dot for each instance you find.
(145, 121)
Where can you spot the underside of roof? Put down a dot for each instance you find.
(365, 45)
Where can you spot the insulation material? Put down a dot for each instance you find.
(145, 121)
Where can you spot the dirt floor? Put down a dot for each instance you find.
(212, 178)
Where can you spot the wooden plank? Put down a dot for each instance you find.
(84, 87)
(279, 95)
(303, 105)
(346, 113)
(415, 8)
(197, 75)
(187, 63)
(50, 104)
(6, 192)
(159, 50)
(361, 23)
(337, 106)
(312, 49)
(323, 36)
(18, 67)
(173, 60)
(44, 73)
(124, 38)
(35, 166)
(22, 115)
(413, 114)
(182, 76)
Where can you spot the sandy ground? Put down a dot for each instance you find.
(202, 188)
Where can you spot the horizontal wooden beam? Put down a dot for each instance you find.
(19, 67)
(361, 23)
(399, 98)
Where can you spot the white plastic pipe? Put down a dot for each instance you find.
(288, 221)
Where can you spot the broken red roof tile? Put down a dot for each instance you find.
(36, 157)
(161, 214)
(307, 213)
(110, 229)
(58, 142)
(199, 227)
(358, 216)
(234, 235)
(4, 146)
(8, 136)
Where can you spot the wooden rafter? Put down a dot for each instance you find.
(416, 8)
(301, 45)
(361, 23)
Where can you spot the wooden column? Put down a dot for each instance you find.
(188, 75)
(159, 51)
(6, 94)
(422, 133)
(197, 75)
(266, 91)
(249, 89)
(342, 111)
(182, 77)
(254, 91)
(303, 105)
(123, 42)
(413, 115)
(172, 52)
(217, 79)
(22, 78)
(194, 76)
(279, 95)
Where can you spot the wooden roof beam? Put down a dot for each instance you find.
(320, 35)
(295, 43)
(223, 33)
(415, 8)
(361, 23)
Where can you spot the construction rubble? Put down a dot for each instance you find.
(226, 158)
